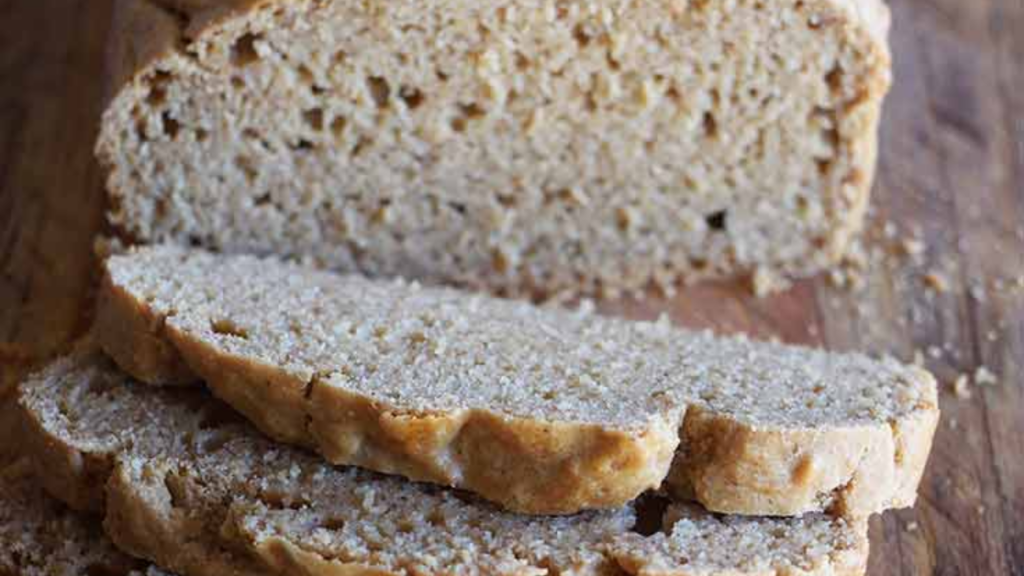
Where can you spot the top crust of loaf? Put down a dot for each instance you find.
(448, 387)
(194, 488)
(158, 39)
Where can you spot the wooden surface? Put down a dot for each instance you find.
(952, 168)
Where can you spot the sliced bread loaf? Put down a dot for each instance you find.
(195, 489)
(539, 409)
(41, 537)
(510, 144)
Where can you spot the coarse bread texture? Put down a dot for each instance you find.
(40, 537)
(542, 410)
(193, 487)
(526, 146)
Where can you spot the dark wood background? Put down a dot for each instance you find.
(952, 170)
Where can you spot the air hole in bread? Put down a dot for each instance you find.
(834, 78)
(710, 125)
(717, 221)
(245, 166)
(314, 118)
(649, 512)
(227, 327)
(803, 206)
(306, 75)
(171, 127)
(140, 130)
(467, 112)
(201, 135)
(243, 51)
(824, 167)
(333, 523)
(436, 518)
(157, 96)
(379, 89)
(338, 126)
(581, 34)
(361, 146)
(521, 61)
(412, 97)
(157, 91)
(507, 200)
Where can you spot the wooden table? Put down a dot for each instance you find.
(952, 168)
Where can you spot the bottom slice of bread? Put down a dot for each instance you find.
(41, 537)
(188, 485)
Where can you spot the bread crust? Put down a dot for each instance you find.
(525, 465)
(154, 510)
(550, 467)
(851, 472)
(152, 32)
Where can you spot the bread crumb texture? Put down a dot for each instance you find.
(41, 537)
(538, 408)
(190, 486)
(590, 146)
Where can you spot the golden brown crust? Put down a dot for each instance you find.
(165, 509)
(851, 472)
(77, 477)
(575, 467)
(146, 524)
(544, 467)
(132, 337)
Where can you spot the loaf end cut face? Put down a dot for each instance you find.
(194, 488)
(526, 146)
(540, 409)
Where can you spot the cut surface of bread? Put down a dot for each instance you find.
(41, 537)
(526, 145)
(189, 485)
(539, 409)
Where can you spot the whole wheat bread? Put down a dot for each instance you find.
(41, 537)
(516, 145)
(539, 409)
(188, 485)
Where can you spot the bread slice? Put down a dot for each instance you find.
(539, 409)
(515, 145)
(41, 537)
(194, 489)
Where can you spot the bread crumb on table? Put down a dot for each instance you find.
(912, 526)
(937, 281)
(984, 377)
(961, 387)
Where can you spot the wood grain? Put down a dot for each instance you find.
(952, 167)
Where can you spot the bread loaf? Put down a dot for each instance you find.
(539, 409)
(527, 145)
(197, 490)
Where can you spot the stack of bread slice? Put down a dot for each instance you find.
(269, 390)
(236, 414)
